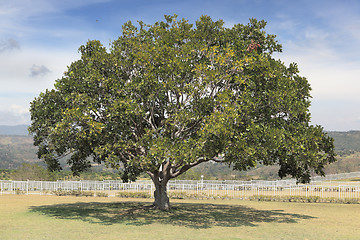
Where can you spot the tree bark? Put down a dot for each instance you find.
(161, 200)
(160, 179)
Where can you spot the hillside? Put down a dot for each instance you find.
(16, 147)
(19, 130)
(14, 150)
(346, 142)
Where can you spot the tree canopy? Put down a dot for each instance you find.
(168, 96)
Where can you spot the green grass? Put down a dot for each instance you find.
(52, 217)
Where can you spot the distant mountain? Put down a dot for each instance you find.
(15, 150)
(18, 130)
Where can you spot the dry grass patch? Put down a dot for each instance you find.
(51, 217)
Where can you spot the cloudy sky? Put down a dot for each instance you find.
(40, 38)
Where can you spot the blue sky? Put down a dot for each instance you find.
(40, 38)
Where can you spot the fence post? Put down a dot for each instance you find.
(274, 190)
(339, 192)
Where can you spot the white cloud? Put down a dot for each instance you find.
(334, 80)
(343, 18)
(331, 75)
(14, 71)
(18, 87)
(18, 109)
(8, 45)
(327, 53)
(15, 115)
(37, 70)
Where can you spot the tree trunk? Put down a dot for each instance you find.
(160, 195)
(160, 179)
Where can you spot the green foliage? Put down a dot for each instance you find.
(174, 195)
(304, 199)
(19, 192)
(192, 174)
(77, 193)
(169, 96)
(197, 196)
(5, 174)
(134, 195)
(29, 171)
(101, 194)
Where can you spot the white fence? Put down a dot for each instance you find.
(233, 189)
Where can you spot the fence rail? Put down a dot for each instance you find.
(233, 189)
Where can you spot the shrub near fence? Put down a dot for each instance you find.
(205, 189)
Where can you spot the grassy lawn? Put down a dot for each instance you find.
(51, 217)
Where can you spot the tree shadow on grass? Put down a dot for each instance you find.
(182, 214)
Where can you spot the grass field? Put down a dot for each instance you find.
(51, 217)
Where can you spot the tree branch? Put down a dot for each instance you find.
(187, 167)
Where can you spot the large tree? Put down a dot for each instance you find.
(169, 96)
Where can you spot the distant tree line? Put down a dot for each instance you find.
(36, 172)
